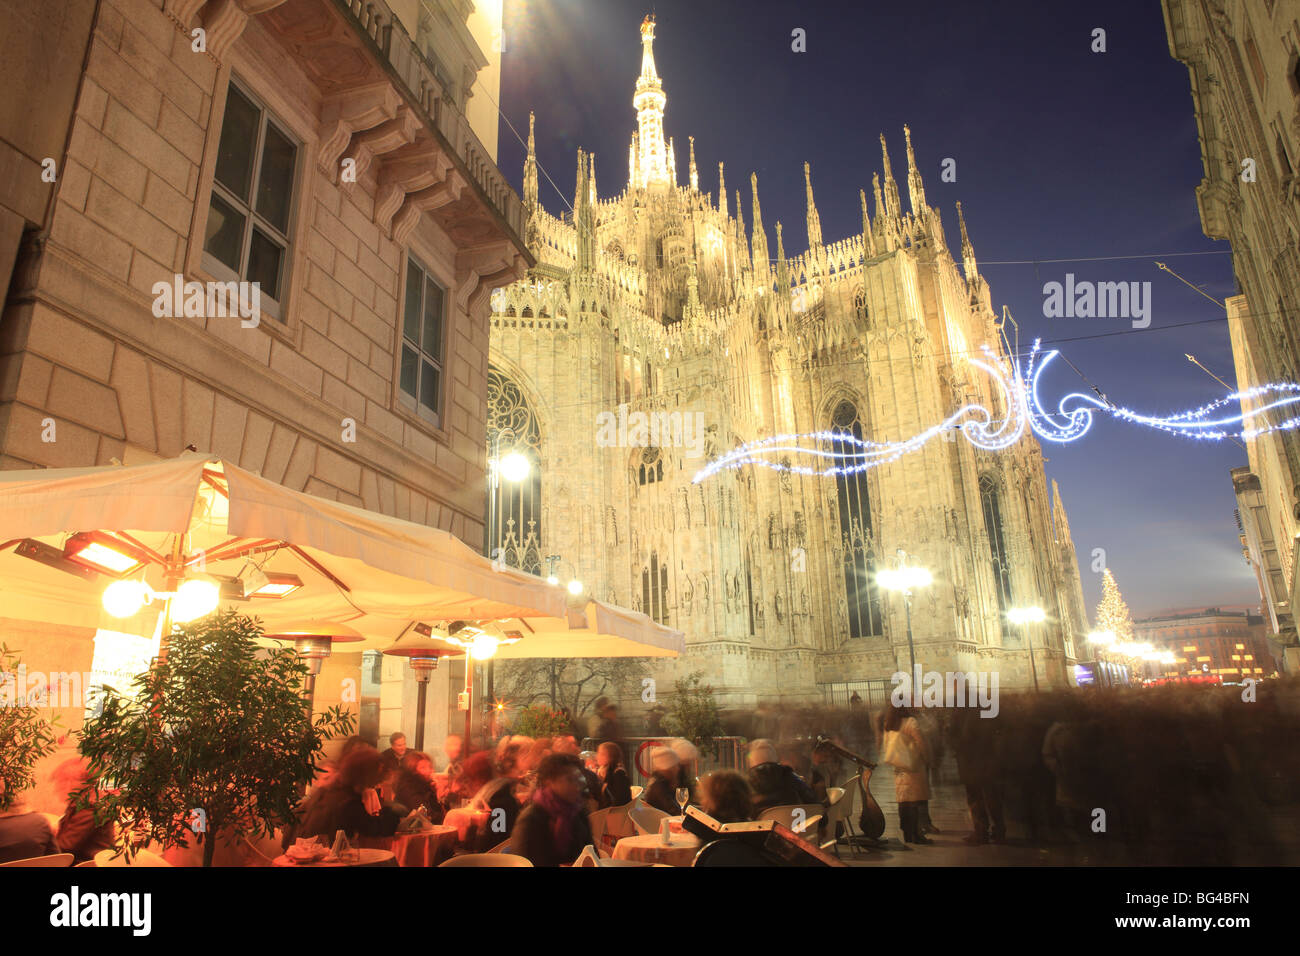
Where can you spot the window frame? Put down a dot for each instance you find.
(271, 306)
(411, 404)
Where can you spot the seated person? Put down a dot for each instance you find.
(826, 770)
(349, 801)
(773, 783)
(77, 832)
(413, 786)
(554, 829)
(613, 787)
(24, 834)
(662, 792)
(497, 796)
(725, 796)
(568, 744)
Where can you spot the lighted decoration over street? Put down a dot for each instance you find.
(1071, 420)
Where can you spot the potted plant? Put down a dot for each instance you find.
(218, 737)
(541, 721)
(25, 736)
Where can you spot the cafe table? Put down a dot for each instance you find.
(420, 848)
(463, 818)
(364, 857)
(650, 848)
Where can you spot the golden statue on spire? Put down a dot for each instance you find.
(648, 25)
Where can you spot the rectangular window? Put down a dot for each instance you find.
(247, 237)
(423, 318)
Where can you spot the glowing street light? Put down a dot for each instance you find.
(514, 467)
(905, 579)
(1025, 616)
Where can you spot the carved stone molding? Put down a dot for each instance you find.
(426, 200)
(408, 171)
(351, 111)
(225, 20)
(387, 137)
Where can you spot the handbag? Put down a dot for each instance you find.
(900, 753)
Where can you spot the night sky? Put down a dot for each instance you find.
(1061, 153)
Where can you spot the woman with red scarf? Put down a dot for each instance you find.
(553, 828)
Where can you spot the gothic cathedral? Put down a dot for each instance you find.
(660, 301)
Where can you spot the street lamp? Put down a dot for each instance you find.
(1024, 616)
(905, 579)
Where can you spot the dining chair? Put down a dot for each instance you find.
(799, 817)
(834, 795)
(597, 821)
(85, 863)
(54, 859)
(646, 818)
(587, 858)
(255, 856)
(841, 812)
(487, 859)
(502, 847)
(637, 791)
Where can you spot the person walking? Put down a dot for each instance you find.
(907, 751)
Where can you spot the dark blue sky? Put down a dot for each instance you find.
(1061, 153)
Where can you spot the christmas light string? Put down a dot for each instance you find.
(1071, 420)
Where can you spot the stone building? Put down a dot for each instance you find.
(1208, 641)
(1243, 57)
(661, 302)
(308, 146)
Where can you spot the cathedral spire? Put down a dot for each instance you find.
(762, 263)
(672, 163)
(893, 208)
(722, 192)
(868, 240)
(591, 179)
(695, 173)
(653, 157)
(814, 221)
(584, 217)
(782, 270)
(915, 188)
(1060, 522)
(969, 265)
(530, 168)
(742, 244)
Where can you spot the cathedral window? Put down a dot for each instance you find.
(853, 498)
(422, 342)
(514, 527)
(654, 589)
(992, 506)
(651, 469)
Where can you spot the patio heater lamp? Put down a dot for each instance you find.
(422, 652)
(314, 641)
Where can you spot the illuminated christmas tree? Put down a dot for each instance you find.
(1112, 612)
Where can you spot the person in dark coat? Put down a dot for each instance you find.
(774, 784)
(553, 829)
(614, 788)
(662, 792)
(413, 786)
(347, 802)
(392, 757)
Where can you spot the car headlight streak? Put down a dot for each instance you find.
(840, 453)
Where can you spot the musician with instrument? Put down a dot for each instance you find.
(871, 822)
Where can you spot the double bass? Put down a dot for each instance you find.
(872, 819)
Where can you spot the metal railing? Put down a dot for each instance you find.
(377, 21)
(872, 694)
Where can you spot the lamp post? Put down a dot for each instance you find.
(905, 579)
(1024, 616)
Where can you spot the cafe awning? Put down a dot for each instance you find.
(372, 571)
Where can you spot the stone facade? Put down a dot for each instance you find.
(367, 175)
(660, 301)
(1243, 58)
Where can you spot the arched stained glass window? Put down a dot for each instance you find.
(514, 528)
(853, 499)
(654, 589)
(991, 503)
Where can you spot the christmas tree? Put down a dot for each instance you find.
(1112, 612)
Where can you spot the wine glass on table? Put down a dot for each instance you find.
(683, 798)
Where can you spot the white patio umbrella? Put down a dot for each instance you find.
(65, 534)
